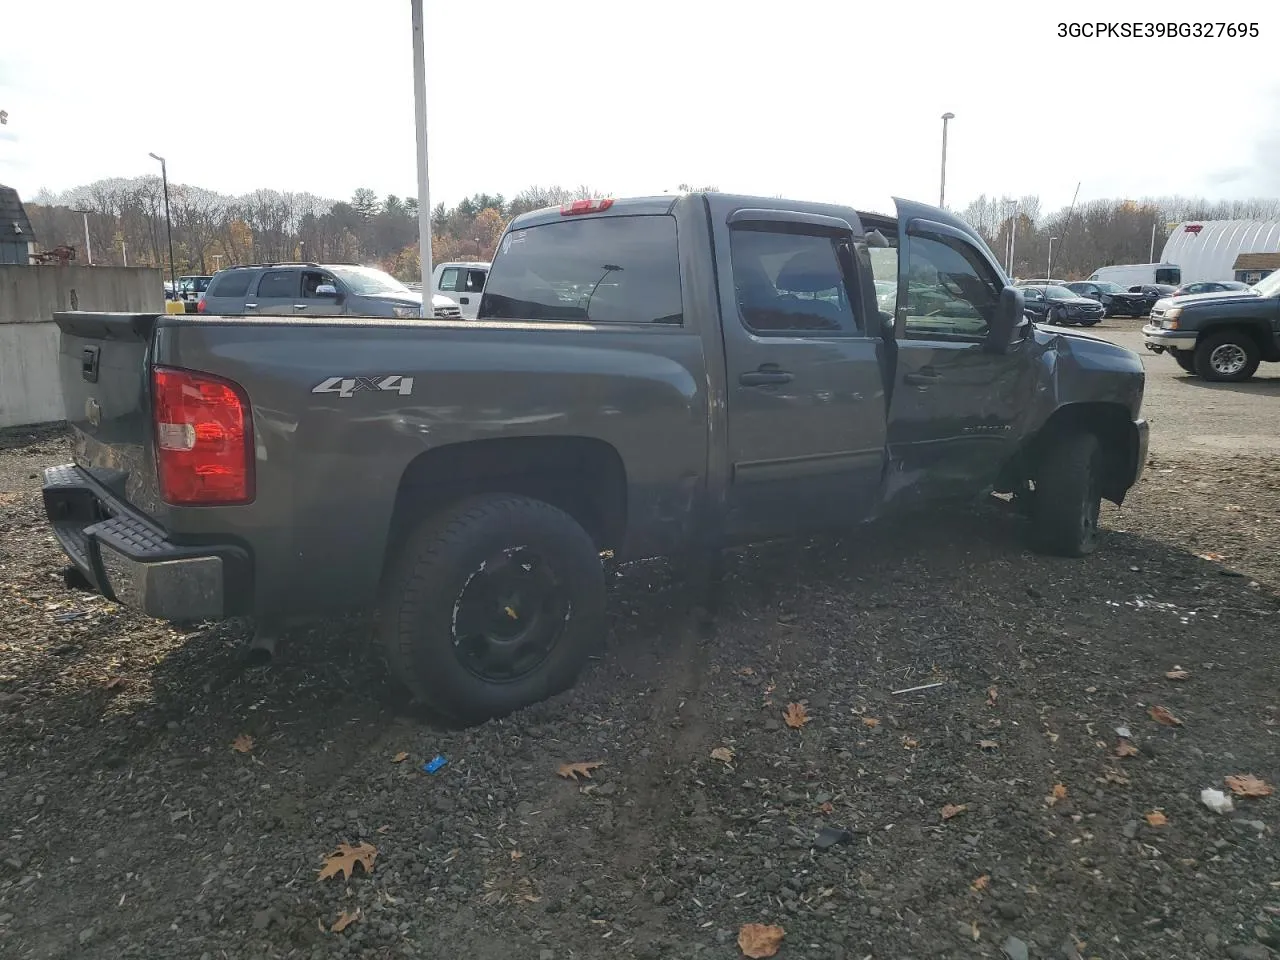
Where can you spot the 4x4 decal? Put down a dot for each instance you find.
(348, 386)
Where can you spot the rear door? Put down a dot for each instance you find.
(803, 354)
(470, 287)
(955, 407)
(277, 293)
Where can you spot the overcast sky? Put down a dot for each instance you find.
(836, 101)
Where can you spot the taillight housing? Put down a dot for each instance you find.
(585, 206)
(200, 305)
(203, 438)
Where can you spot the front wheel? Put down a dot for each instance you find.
(1068, 497)
(493, 605)
(1185, 359)
(1229, 357)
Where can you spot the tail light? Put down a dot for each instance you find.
(200, 305)
(585, 206)
(204, 438)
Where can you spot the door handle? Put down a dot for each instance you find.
(251, 306)
(766, 375)
(299, 306)
(924, 377)
(466, 301)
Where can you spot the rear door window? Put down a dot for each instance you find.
(234, 284)
(474, 282)
(598, 270)
(789, 284)
(279, 284)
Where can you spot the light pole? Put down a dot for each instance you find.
(168, 224)
(88, 247)
(942, 188)
(420, 116)
(1048, 275)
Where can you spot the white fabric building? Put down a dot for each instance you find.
(1207, 249)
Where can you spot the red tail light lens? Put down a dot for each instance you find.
(204, 438)
(585, 206)
(200, 306)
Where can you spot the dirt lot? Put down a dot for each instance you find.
(130, 827)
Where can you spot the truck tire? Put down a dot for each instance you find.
(1185, 359)
(1068, 498)
(1231, 356)
(492, 605)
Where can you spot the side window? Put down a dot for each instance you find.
(449, 279)
(311, 279)
(474, 282)
(1030, 293)
(279, 283)
(950, 290)
(233, 284)
(789, 284)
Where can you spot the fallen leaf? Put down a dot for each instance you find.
(1177, 673)
(1247, 785)
(757, 940)
(827, 807)
(516, 854)
(400, 757)
(345, 919)
(1209, 556)
(723, 754)
(991, 696)
(745, 671)
(115, 683)
(1162, 715)
(870, 722)
(242, 744)
(346, 857)
(953, 810)
(385, 828)
(1156, 818)
(795, 717)
(1115, 776)
(1059, 793)
(575, 771)
(1126, 749)
(988, 745)
(980, 884)
(973, 930)
(910, 742)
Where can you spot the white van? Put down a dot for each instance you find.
(1133, 274)
(462, 282)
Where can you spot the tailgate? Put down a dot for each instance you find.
(103, 365)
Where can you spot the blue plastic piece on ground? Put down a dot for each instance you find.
(431, 766)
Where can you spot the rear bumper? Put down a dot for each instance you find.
(129, 559)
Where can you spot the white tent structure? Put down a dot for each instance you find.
(1207, 249)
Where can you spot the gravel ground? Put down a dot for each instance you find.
(131, 827)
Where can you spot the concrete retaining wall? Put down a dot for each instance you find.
(30, 391)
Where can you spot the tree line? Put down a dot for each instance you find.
(213, 230)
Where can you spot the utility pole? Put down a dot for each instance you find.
(88, 247)
(168, 223)
(424, 190)
(942, 187)
(1151, 257)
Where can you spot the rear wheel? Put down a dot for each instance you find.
(1067, 504)
(493, 605)
(1230, 357)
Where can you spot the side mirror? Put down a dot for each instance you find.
(326, 290)
(1008, 318)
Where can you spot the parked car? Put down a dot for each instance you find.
(1209, 286)
(1115, 300)
(1220, 336)
(463, 282)
(1060, 306)
(191, 290)
(1041, 283)
(465, 479)
(315, 290)
(1151, 293)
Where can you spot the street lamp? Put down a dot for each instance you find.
(168, 224)
(1048, 274)
(1013, 228)
(942, 189)
(88, 248)
(420, 116)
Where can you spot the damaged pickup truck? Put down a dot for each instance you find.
(648, 377)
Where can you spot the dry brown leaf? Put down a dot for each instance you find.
(910, 742)
(1209, 556)
(1162, 715)
(745, 671)
(1059, 793)
(980, 884)
(575, 771)
(400, 757)
(516, 854)
(115, 683)
(974, 932)
(953, 810)
(1156, 819)
(1177, 673)
(242, 744)
(988, 745)
(1126, 749)
(827, 807)
(1115, 776)
(345, 919)
(723, 754)
(870, 722)
(346, 857)
(991, 696)
(795, 716)
(757, 940)
(1247, 785)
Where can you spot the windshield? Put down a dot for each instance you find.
(1268, 286)
(366, 281)
(1107, 287)
(1060, 293)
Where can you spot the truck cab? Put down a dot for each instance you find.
(463, 282)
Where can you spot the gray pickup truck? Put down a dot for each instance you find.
(1219, 336)
(648, 377)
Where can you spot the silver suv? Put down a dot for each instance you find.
(316, 290)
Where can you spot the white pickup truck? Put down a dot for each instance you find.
(462, 283)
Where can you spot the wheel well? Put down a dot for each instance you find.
(1256, 333)
(1109, 422)
(582, 476)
